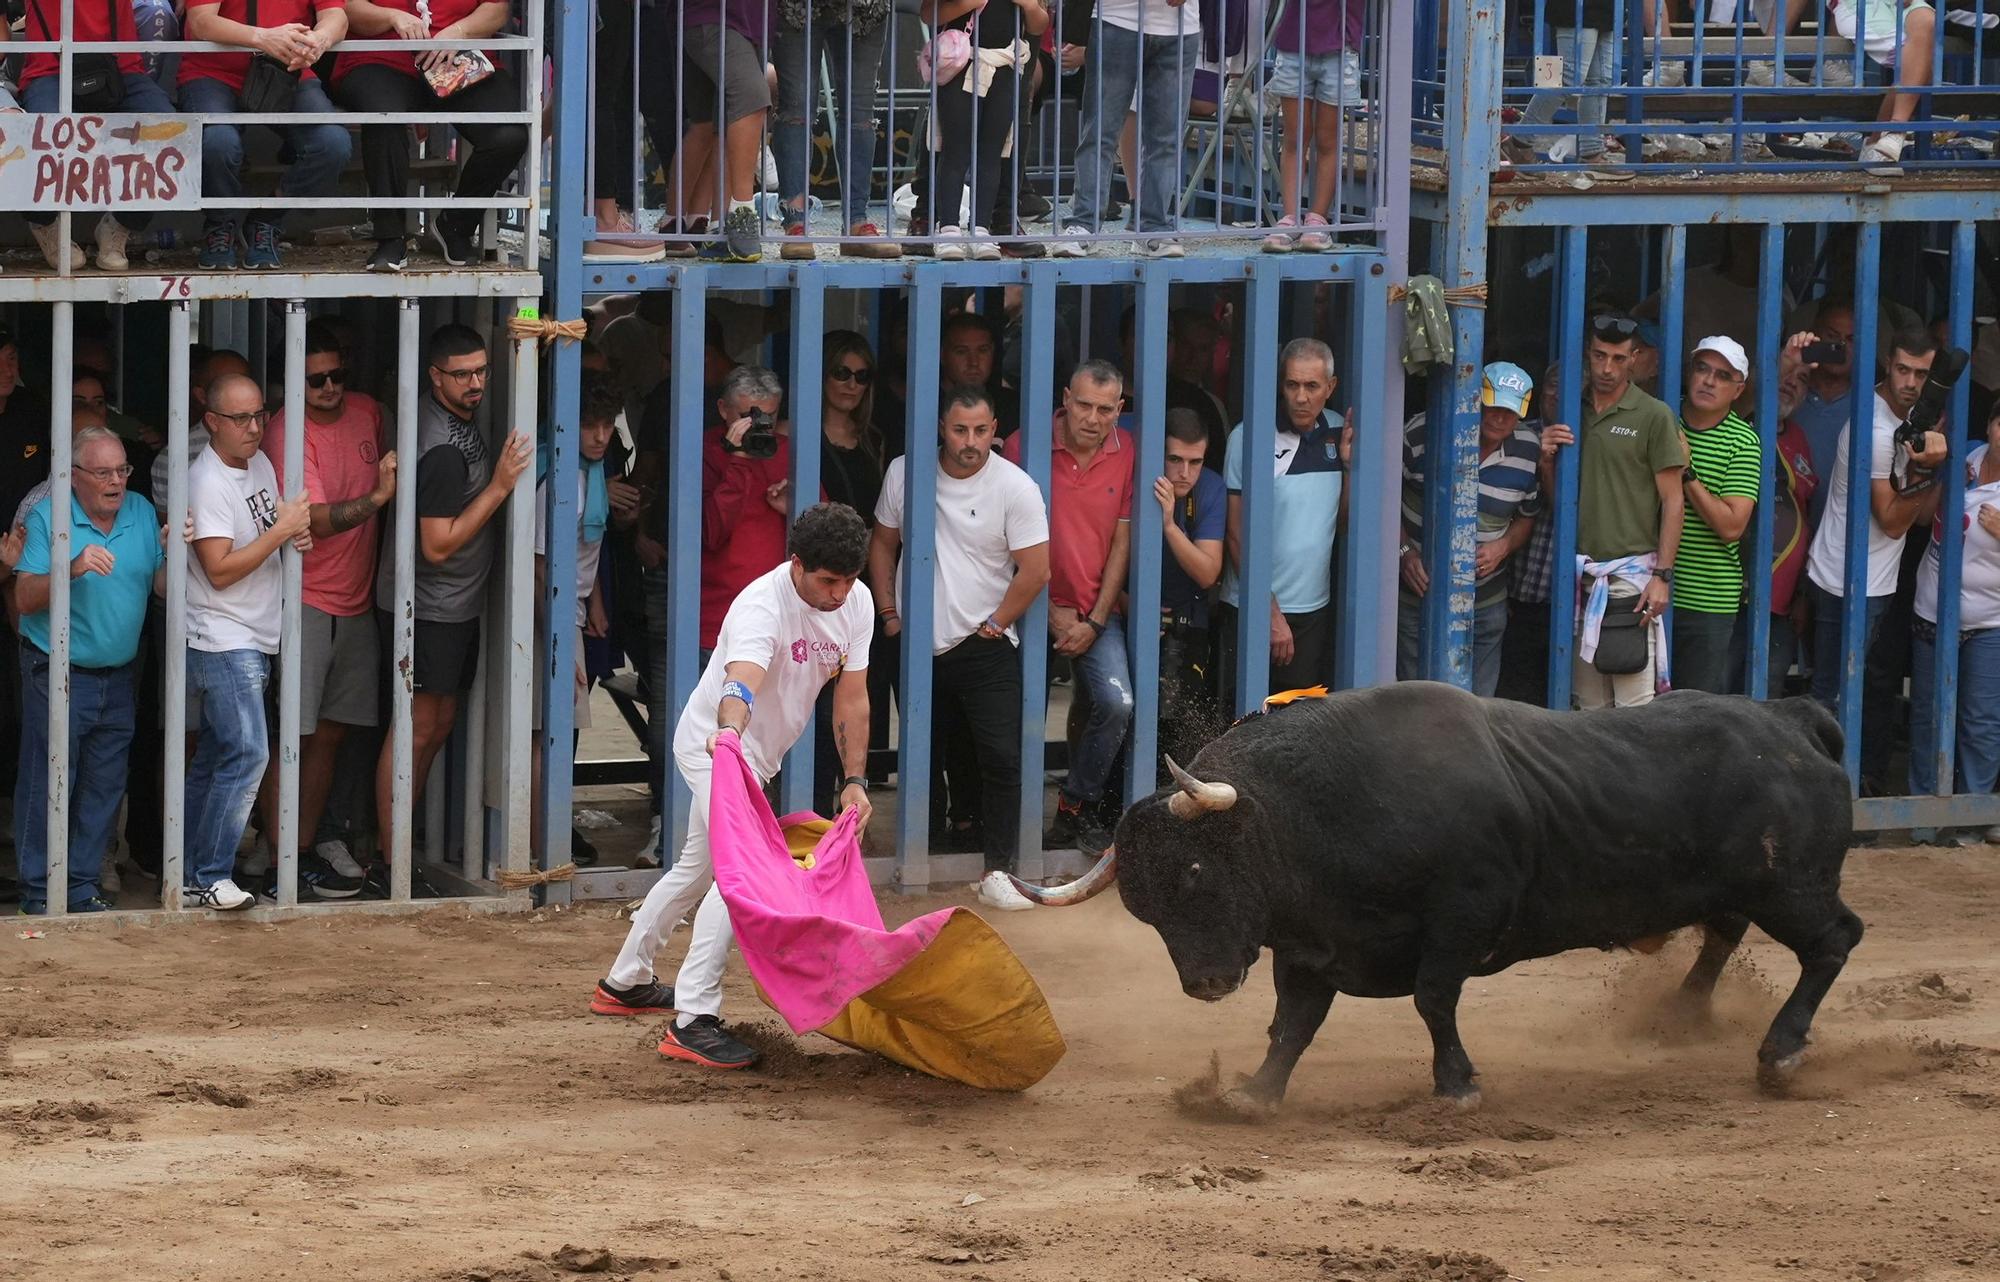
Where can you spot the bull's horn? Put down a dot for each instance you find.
(1195, 797)
(1102, 875)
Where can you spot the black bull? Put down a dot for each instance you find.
(1394, 842)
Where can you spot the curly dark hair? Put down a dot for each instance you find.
(830, 536)
(598, 400)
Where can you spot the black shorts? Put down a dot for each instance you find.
(443, 656)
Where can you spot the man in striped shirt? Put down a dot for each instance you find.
(1720, 488)
(1509, 501)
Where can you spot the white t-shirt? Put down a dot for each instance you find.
(1979, 575)
(586, 553)
(800, 650)
(1161, 18)
(238, 504)
(1829, 546)
(981, 522)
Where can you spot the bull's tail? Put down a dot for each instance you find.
(1815, 722)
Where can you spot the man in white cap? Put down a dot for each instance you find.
(1720, 486)
(1509, 501)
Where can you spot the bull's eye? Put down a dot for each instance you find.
(1190, 875)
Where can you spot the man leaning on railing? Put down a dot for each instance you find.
(278, 78)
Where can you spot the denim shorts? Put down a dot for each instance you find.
(1331, 78)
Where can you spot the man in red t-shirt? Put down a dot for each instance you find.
(295, 34)
(744, 498)
(138, 93)
(1090, 547)
(377, 80)
(350, 476)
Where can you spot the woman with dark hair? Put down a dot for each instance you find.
(850, 471)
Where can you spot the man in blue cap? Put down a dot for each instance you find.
(1509, 501)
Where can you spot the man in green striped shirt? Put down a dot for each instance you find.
(1720, 486)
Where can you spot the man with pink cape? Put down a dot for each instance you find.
(785, 636)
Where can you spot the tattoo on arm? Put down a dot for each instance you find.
(348, 513)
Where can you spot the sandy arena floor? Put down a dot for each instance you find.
(426, 1099)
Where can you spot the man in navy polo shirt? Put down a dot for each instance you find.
(118, 561)
(1194, 511)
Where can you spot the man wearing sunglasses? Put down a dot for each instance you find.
(350, 476)
(1629, 509)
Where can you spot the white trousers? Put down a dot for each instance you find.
(690, 882)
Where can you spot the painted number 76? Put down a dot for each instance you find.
(175, 287)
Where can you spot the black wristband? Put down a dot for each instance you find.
(1095, 626)
(854, 781)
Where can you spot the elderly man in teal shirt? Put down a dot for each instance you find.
(118, 560)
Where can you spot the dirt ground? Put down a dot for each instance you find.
(427, 1099)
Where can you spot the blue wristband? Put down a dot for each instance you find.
(740, 691)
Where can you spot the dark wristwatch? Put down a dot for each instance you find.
(1665, 574)
(1687, 474)
(854, 781)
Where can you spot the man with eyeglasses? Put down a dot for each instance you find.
(235, 605)
(461, 484)
(1629, 512)
(1720, 488)
(350, 476)
(119, 561)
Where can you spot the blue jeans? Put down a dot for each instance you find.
(1826, 642)
(100, 736)
(1161, 69)
(797, 59)
(229, 758)
(1588, 57)
(319, 152)
(1489, 629)
(143, 96)
(1103, 673)
(1977, 759)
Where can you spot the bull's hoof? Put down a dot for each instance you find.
(1241, 1105)
(1774, 1075)
(1464, 1098)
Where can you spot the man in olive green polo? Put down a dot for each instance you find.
(1629, 510)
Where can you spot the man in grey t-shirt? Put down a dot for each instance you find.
(460, 487)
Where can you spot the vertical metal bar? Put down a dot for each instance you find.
(292, 568)
(1393, 218)
(1562, 569)
(683, 533)
(518, 604)
(1756, 558)
(61, 375)
(1951, 518)
(1142, 580)
(572, 119)
(173, 654)
(1259, 433)
(1860, 458)
(795, 783)
(1038, 377)
(403, 614)
(1673, 312)
(913, 755)
(1367, 618)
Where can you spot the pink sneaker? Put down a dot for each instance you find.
(1313, 241)
(1280, 240)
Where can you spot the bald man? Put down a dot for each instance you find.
(235, 594)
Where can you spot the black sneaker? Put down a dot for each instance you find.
(1031, 204)
(1075, 829)
(454, 244)
(649, 998)
(375, 883)
(743, 232)
(390, 255)
(324, 880)
(581, 852)
(704, 1042)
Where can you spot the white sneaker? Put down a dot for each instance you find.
(337, 854)
(111, 240)
(52, 243)
(1883, 157)
(649, 855)
(767, 170)
(950, 244)
(1668, 75)
(1165, 249)
(995, 891)
(1073, 242)
(984, 249)
(223, 896)
(1836, 73)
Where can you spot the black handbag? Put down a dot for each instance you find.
(269, 85)
(1621, 639)
(96, 82)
